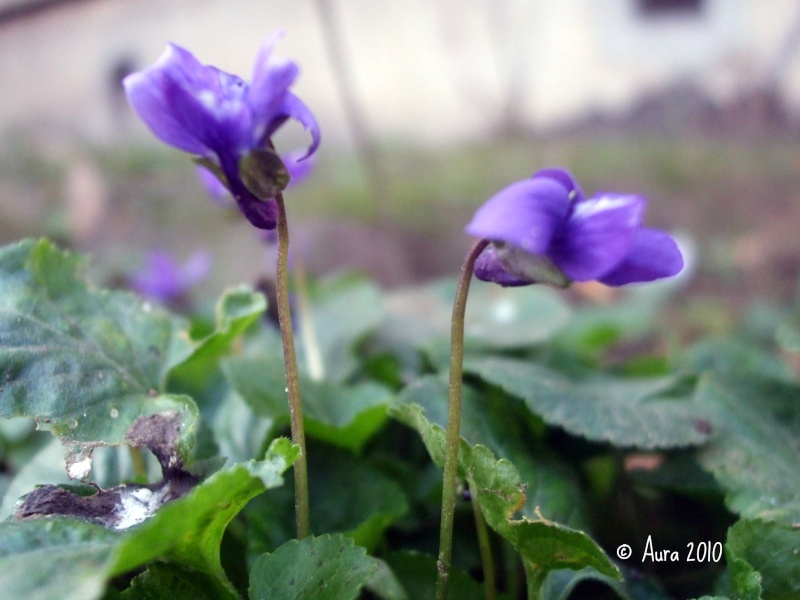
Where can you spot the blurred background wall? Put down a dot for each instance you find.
(429, 70)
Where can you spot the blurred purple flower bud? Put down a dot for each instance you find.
(163, 279)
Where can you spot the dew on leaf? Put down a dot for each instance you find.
(72, 423)
(114, 413)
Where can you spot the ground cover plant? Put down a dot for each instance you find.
(575, 464)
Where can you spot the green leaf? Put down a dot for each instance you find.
(417, 573)
(559, 584)
(343, 311)
(496, 317)
(351, 496)
(37, 556)
(85, 363)
(543, 544)
(328, 567)
(162, 581)
(344, 415)
(46, 466)
(755, 455)
(237, 310)
(189, 530)
(384, 583)
(771, 550)
(744, 580)
(347, 495)
(58, 557)
(498, 422)
(645, 413)
(733, 356)
(636, 311)
(788, 337)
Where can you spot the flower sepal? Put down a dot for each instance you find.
(263, 173)
(215, 169)
(534, 268)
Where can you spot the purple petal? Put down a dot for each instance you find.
(196, 108)
(162, 279)
(489, 267)
(294, 108)
(195, 269)
(597, 236)
(653, 255)
(262, 214)
(147, 95)
(269, 86)
(526, 214)
(564, 178)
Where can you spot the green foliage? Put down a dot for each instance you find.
(85, 363)
(329, 567)
(573, 442)
(772, 553)
(543, 545)
(753, 418)
(186, 531)
(645, 413)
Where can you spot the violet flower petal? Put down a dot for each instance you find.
(294, 108)
(146, 91)
(526, 214)
(597, 235)
(653, 255)
(574, 192)
(163, 279)
(270, 84)
(262, 214)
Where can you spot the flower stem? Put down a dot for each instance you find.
(138, 463)
(485, 545)
(301, 504)
(308, 331)
(454, 420)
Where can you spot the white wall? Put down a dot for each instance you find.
(433, 70)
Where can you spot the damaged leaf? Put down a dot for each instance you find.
(129, 504)
(83, 557)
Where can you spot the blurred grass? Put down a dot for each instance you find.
(718, 190)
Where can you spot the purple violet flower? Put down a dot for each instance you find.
(164, 280)
(543, 230)
(223, 120)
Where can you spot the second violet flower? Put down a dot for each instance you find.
(543, 230)
(224, 120)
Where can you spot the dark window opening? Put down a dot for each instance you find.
(668, 8)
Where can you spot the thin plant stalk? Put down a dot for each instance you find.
(308, 330)
(485, 546)
(301, 504)
(454, 420)
(138, 463)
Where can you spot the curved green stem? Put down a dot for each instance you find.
(454, 420)
(485, 545)
(301, 504)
